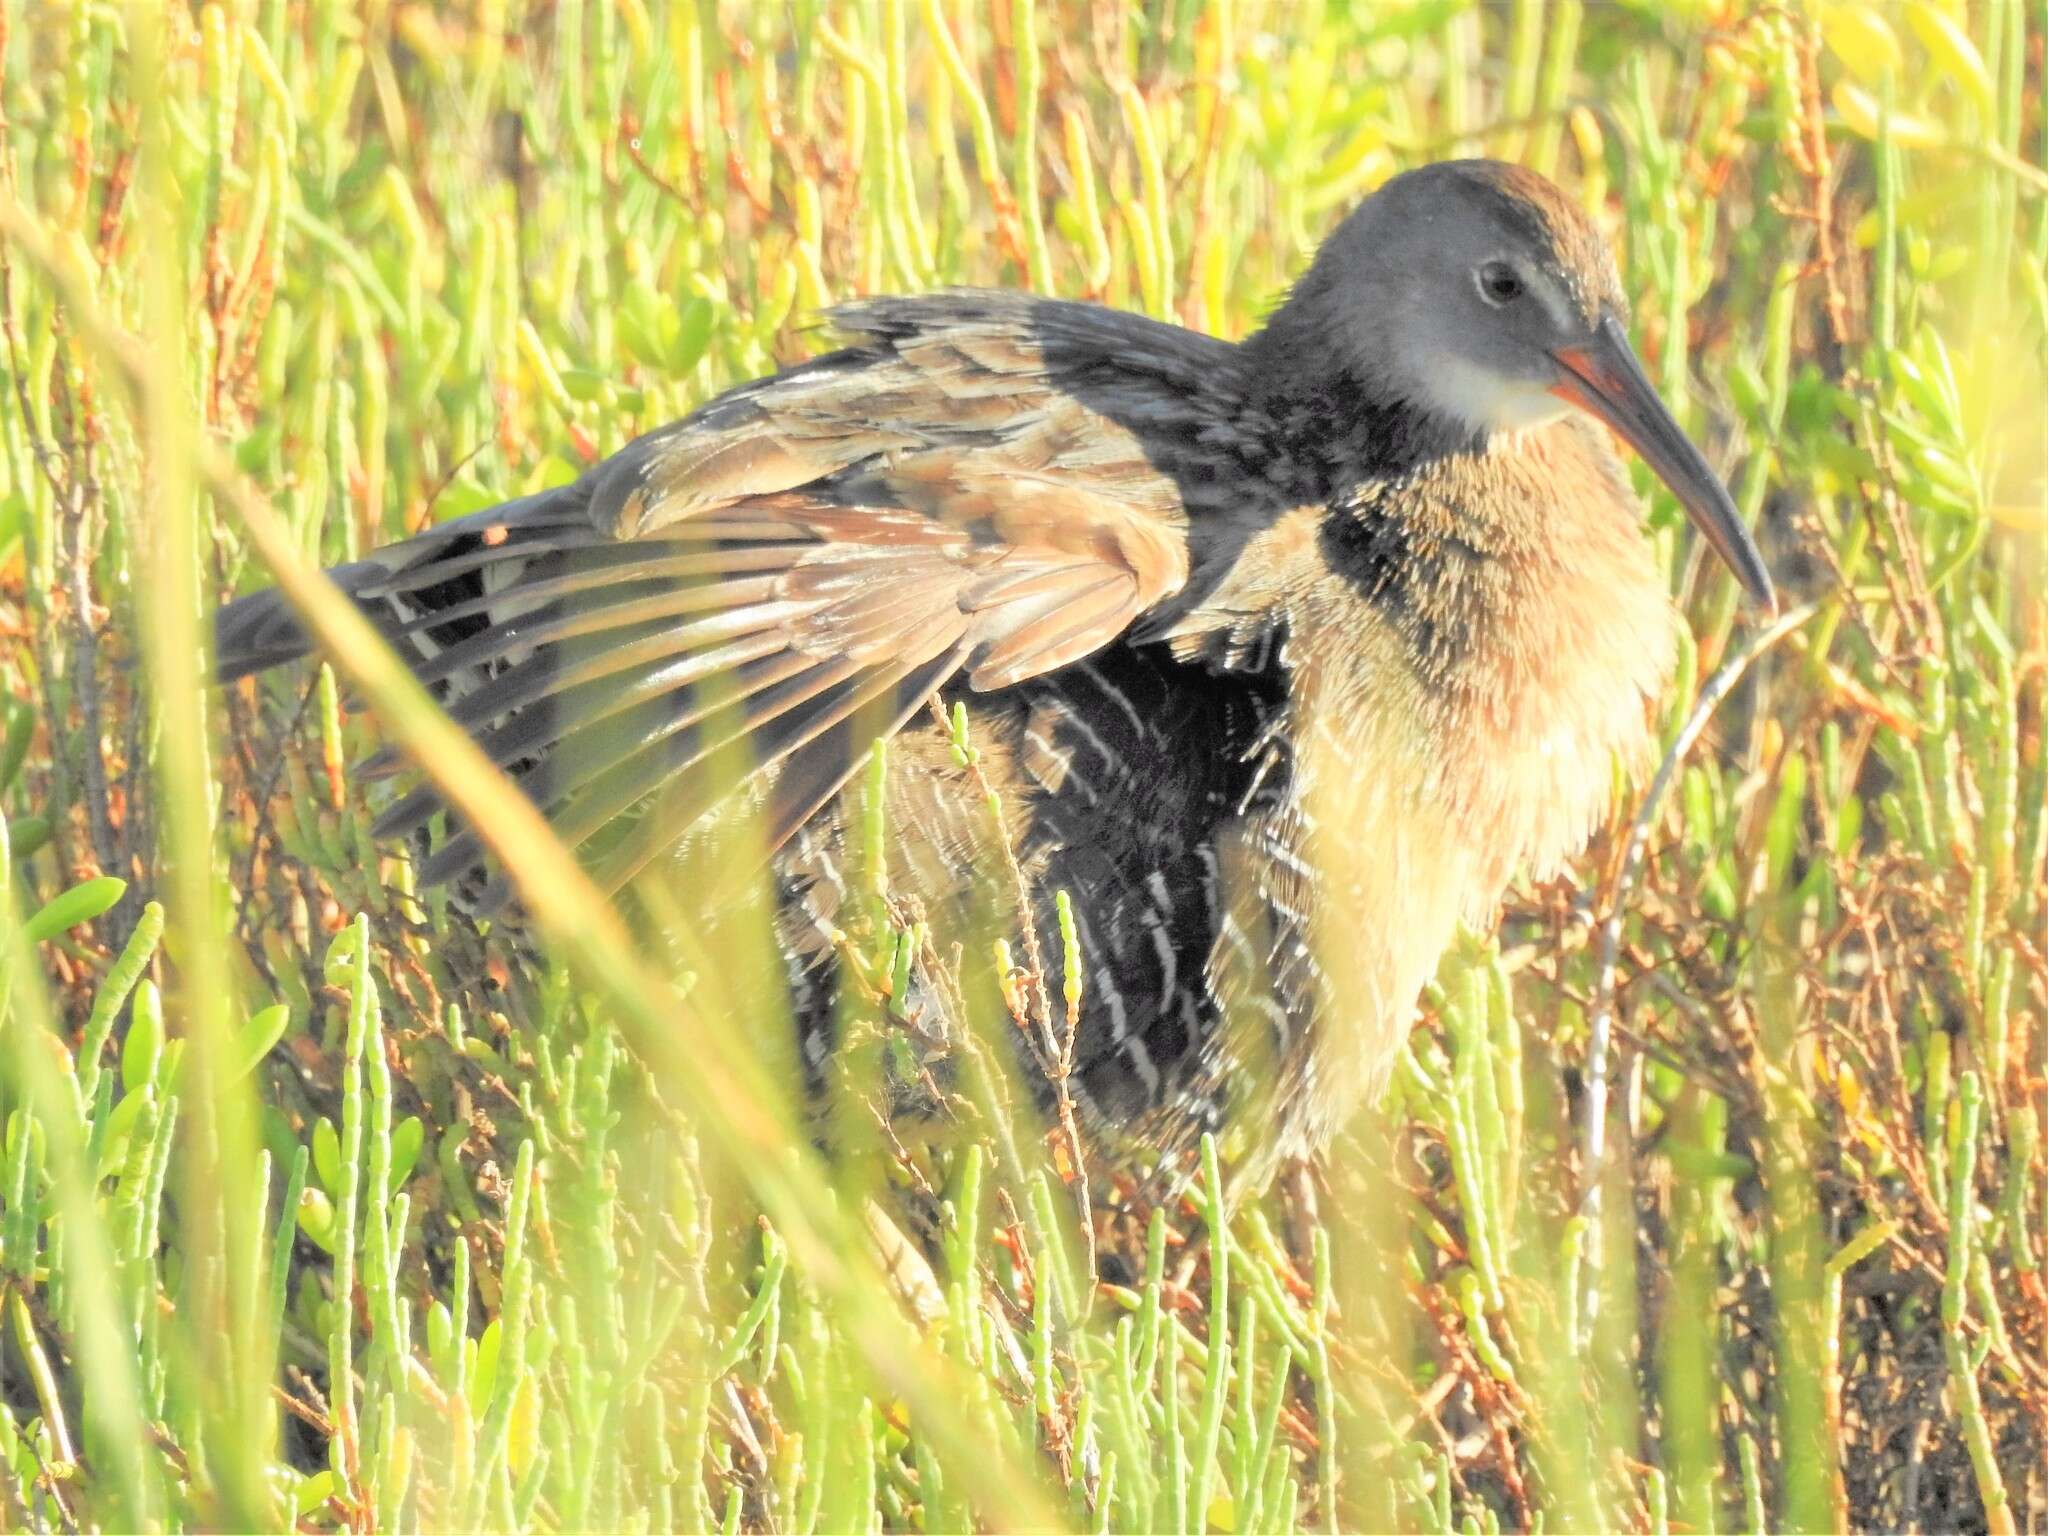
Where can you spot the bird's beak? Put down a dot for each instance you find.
(1603, 377)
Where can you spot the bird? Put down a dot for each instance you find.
(1282, 656)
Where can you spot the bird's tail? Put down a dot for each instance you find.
(468, 560)
(255, 633)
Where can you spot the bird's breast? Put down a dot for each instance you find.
(1473, 659)
(1504, 608)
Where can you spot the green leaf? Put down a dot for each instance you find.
(26, 836)
(550, 471)
(316, 1218)
(589, 385)
(252, 453)
(693, 334)
(256, 1040)
(440, 1336)
(144, 1046)
(81, 904)
(483, 1379)
(13, 520)
(462, 497)
(406, 1139)
(314, 1491)
(327, 1154)
(120, 1125)
(20, 722)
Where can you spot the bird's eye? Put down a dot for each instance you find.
(1499, 283)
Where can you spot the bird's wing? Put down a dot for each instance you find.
(973, 488)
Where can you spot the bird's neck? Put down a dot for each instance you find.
(1337, 424)
(1490, 626)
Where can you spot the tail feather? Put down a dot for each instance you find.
(442, 569)
(546, 726)
(255, 633)
(592, 782)
(815, 749)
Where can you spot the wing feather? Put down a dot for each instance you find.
(817, 753)
(584, 791)
(981, 485)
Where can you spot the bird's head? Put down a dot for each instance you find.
(1477, 294)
